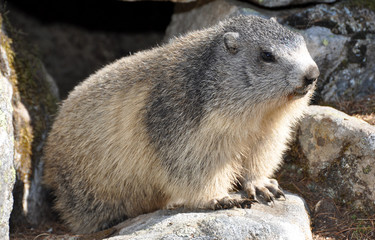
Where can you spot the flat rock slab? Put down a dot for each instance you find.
(285, 220)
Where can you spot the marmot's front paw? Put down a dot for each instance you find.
(267, 189)
(228, 202)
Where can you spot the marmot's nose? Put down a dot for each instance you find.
(311, 75)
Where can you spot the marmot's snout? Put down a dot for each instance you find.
(308, 80)
(311, 76)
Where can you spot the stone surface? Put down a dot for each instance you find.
(349, 74)
(283, 3)
(198, 15)
(205, 13)
(327, 49)
(34, 102)
(340, 153)
(285, 220)
(7, 172)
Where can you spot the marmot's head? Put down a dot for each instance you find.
(266, 60)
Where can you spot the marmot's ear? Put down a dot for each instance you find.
(231, 41)
(273, 19)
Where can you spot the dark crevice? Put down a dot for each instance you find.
(109, 15)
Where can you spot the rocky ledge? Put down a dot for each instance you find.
(287, 219)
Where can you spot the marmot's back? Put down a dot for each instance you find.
(99, 130)
(179, 124)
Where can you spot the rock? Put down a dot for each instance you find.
(327, 49)
(348, 68)
(7, 172)
(204, 13)
(282, 3)
(340, 153)
(34, 103)
(285, 220)
(198, 15)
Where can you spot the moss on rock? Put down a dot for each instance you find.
(23, 136)
(34, 105)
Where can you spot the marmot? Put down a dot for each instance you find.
(180, 124)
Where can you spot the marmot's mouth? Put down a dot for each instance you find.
(300, 92)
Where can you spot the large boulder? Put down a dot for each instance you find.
(340, 154)
(284, 220)
(7, 172)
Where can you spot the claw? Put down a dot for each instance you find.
(227, 203)
(218, 206)
(246, 204)
(281, 195)
(266, 189)
(238, 204)
(271, 203)
(269, 199)
(255, 200)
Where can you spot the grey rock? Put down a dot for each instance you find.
(198, 15)
(282, 3)
(205, 13)
(350, 75)
(342, 18)
(7, 172)
(327, 49)
(285, 220)
(353, 80)
(340, 150)
(34, 102)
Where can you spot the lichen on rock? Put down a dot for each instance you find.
(34, 104)
(340, 153)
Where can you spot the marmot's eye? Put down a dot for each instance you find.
(268, 57)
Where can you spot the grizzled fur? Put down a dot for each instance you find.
(180, 124)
